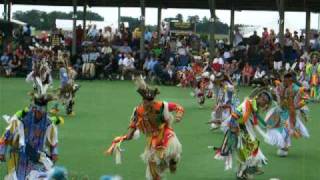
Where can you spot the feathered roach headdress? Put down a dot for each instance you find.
(261, 91)
(315, 54)
(40, 96)
(146, 92)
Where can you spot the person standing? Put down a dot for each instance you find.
(153, 118)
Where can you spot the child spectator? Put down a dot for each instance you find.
(247, 73)
(258, 76)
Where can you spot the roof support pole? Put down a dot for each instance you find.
(9, 11)
(281, 21)
(119, 17)
(308, 21)
(84, 23)
(319, 22)
(5, 13)
(231, 33)
(159, 22)
(212, 42)
(5, 10)
(142, 28)
(74, 35)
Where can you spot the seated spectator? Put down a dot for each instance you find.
(27, 30)
(235, 72)
(99, 67)
(169, 73)
(182, 62)
(5, 61)
(78, 65)
(254, 39)
(147, 67)
(93, 32)
(258, 76)
(88, 67)
(93, 57)
(315, 46)
(127, 66)
(20, 54)
(278, 58)
(112, 67)
(247, 73)
(107, 34)
(157, 51)
(106, 50)
(125, 49)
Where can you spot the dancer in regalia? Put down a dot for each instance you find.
(286, 119)
(313, 75)
(153, 118)
(67, 90)
(240, 139)
(203, 89)
(31, 139)
(225, 100)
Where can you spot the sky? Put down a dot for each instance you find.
(293, 20)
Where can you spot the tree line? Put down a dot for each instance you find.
(45, 21)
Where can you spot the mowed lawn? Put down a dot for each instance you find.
(103, 109)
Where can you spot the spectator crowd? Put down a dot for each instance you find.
(168, 58)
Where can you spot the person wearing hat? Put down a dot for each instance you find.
(32, 138)
(240, 137)
(40, 76)
(203, 89)
(284, 120)
(225, 100)
(313, 74)
(154, 119)
(292, 100)
(67, 89)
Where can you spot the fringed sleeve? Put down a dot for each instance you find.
(13, 135)
(52, 139)
(134, 119)
(173, 107)
(247, 111)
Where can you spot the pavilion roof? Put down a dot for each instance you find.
(290, 5)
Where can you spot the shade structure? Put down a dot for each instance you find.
(290, 5)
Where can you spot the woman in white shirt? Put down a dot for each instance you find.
(127, 65)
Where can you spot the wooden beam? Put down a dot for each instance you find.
(84, 20)
(212, 41)
(119, 17)
(231, 33)
(5, 10)
(74, 35)
(9, 10)
(281, 4)
(142, 28)
(159, 22)
(308, 34)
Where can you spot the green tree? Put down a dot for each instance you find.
(193, 19)
(46, 21)
(179, 17)
(133, 22)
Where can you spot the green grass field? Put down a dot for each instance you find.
(103, 109)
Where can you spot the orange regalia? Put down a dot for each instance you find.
(163, 149)
(204, 88)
